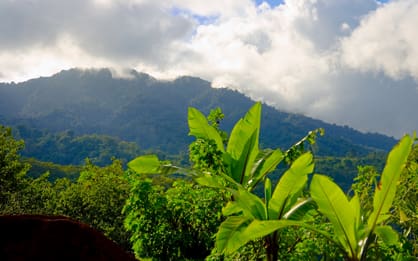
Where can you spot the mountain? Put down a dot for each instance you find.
(153, 113)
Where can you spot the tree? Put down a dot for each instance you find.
(37, 196)
(147, 218)
(177, 223)
(97, 198)
(12, 170)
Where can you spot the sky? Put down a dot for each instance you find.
(349, 62)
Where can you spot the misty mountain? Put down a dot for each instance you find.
(153, 113)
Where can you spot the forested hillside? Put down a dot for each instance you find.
(152, 113)
(66, 148)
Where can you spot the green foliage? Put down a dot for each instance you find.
(67, 148)
(214, 118)
(12, 170)
(365, 180)
(56, 171)
(405, 205)
(205, 156)
(204, 153)
(404, 215)
(97, 198)
(352, 233)
(299, 148)
(299, 243)
(344, 169)
(200, 128)
(147, 218)
(178, 223)
(198, 214)
(36, 196)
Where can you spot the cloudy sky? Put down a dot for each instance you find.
(350, 62)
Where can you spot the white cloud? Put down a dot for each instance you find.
(386, 40)
(294, 57)
(118, 32)
(350, 62)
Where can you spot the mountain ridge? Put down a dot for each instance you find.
(153, 113)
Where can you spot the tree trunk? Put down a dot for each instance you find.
(272, 247)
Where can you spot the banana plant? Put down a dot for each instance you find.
(249, 217)
(244, 163)
(353, 231)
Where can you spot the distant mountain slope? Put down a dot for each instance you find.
(153, 113)
(67, 149)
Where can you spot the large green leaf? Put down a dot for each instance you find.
(229, 237)
(355, 207)
(333, 203)
(290, 184)
(239, 165)
(220, 181)
(251, 204)
(200, 128)
(150, 164)
(385, 191)
(244, 128)
(299, 210)
(235, 231)
(147, 164)
(209, 180)
(232, 208)
(266, 163)
(260, 228)
(243, 144)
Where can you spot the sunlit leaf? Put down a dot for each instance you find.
(243, 144)
(355, 207)
(229, 237)
(213, 181)
(231, 208)
(200, 128)
(147, 164)
(235, 231)
(150, 164)
(385, 192)
(251, 204)
(333, 203)
(299, 210)
(264, 165)
(239, 165)
(290, 184)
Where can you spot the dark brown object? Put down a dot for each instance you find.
(29, 237)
